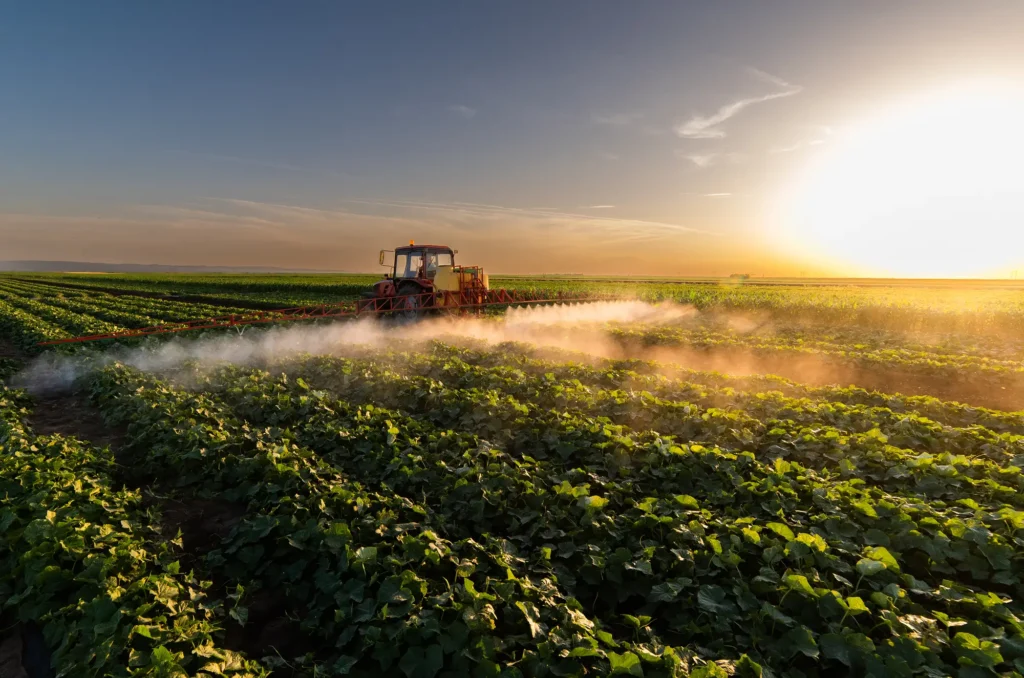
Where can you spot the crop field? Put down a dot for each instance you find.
(710, 480)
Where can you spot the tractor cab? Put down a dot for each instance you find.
(419, 262)
(425, 277)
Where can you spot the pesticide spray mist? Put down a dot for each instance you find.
(578, 327)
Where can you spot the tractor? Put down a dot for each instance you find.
(424, 279)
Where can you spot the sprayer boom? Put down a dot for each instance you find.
(435, 302)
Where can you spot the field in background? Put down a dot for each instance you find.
(747, 479)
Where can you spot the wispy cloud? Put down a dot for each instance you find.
(616, 119)
(701, 160)
(708, 126)
(257, 162)
(545, 217)
(345, 236)
(705, 160)
(597, 207)
(605, 155)
(796, 146)
(820, 136)
(463, 111)
(716, 195)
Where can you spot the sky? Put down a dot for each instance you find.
(646, 137)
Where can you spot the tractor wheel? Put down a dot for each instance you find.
(409, 302)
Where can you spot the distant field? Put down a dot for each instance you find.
(749, 479)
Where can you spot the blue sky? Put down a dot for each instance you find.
(536, 135)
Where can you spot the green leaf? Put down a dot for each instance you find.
(882, 555)
(240, 614)
(626, 664)
(865, 508)
(713, 599)
(686, 501)
(971, 651)
(813, 541)
(748, 668)
(710, 670)
(592, 503)
(848, 648)
(142, 630)
(781, 530)
(867, 567)
(366, 554)
(856, 605)
(637, 622)
(418, 662)
(799, 640)
(164, 658)
(586, 652)
(532, 616)
(665, 592)
(798, 582)
(344, 665)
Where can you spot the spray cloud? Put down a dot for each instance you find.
(579, 327)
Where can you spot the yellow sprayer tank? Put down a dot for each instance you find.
(457, 278)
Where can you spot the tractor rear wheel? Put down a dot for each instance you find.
(409, 301)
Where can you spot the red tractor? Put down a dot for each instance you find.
(425, 278)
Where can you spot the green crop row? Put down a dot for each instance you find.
(158, 309)
(377, 587)
(805, 573)
(272, 290)
(947, 311)
(83, 559)
(971, 369)
(720, 390)
(563, 412)
(25, 329)
(69, 321)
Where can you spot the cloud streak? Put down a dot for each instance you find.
(705, 160)
(256, 162)
(796, 147)
(463, 111)
(709, 126)
(545, 217)
(347, 235)
(616, 119)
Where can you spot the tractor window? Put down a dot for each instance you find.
(435, 259)
(408, 265)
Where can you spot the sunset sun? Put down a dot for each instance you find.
(927, 186)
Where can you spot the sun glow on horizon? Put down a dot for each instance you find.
(931, 187)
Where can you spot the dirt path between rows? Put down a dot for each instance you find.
(201, 525)
(9, 350)
(70, 413)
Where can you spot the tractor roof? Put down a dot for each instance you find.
(423, 247)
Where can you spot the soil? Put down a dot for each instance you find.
(23, 651)
(10, 656)
(9, 350)
(203, 523)
(271, 628)
(70, 414)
